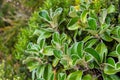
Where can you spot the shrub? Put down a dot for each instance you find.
(82, 44)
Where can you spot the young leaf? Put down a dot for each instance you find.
(77, 75)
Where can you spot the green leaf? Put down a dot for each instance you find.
(61, 76)
(41, 43)
(103, 15)
(103, 28)
(80, 49)
(73, 24)
(66, 48)
(83, 16)
(111, 62)
(40, 79)
(116, 38)
(52, 76)
(63, 37)
(118, 49)
(44, 15)
(47, 72)
(94, 54)
(118, 66)
(109, 70)
(88, 57)
(74, 58)
(106, 36)
(72, 12)
(113, 54)
(48, 50)
(58, 53)
(90, 43)
(64, 63)
(77, 75)
(33, 74)
(92, 23)
(87, 77)
(102, 51)
(111, 9)
(56, 37)
(77, 48)
(55, 62)
(40, 71)
(32, 63)
(87, 38)
(116, 31)
(57, 14)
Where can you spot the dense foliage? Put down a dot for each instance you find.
(71, 40)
